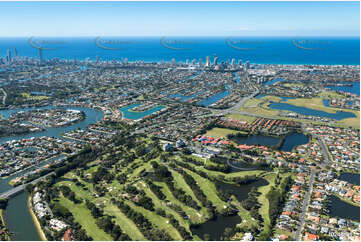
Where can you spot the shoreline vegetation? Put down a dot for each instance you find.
(36, 221)
(2, 218)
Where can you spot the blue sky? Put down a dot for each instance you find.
(179, 18)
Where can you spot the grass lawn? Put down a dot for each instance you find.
(264, 209)
(330, 94)
(241, 117)
(27, 95)
(124, 222)
(221, 132)
(209, 189)
(157, 220)
(180, 183)
(258, 107)
(160, 204)
(79, 192)
(83, 216)
(271, 98)
(193, 214)
(351, 122)
(292, 84)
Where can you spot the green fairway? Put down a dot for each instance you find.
(85, 219)
(125, 223)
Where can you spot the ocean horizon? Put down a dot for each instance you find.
(256, 49)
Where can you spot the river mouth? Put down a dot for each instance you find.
(214, 229)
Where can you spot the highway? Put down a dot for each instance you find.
(20, 188)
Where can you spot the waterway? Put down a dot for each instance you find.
(128, 114)
(339, 115)
(215, 228)
(341, 209)
(273, 81)
(355, 88)
(17, 215)
(350, 177)
(19, 221)
(92, 116)
(215, 98)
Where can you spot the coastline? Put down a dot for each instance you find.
(36, 222)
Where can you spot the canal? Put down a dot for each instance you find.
(17, 216)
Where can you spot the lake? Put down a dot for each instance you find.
(290, 141)
(215, 228)
(128, 114)
(341, 209)
(293, 140)
(350, 177)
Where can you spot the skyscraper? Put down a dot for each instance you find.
(208, 61)
(215, 60)
(41, 54)
(9, 56)
(247, 64)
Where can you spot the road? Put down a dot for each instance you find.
(326, 156)
(306, 200)
(20, 188)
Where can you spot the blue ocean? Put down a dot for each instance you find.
(260, 50)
